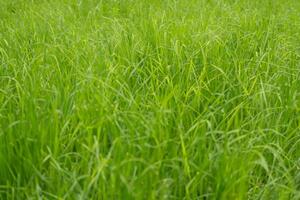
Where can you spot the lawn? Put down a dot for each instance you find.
(150, 99)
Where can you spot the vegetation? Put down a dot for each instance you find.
(150, 99)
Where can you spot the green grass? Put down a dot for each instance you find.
(150, 99)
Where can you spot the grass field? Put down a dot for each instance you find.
(150, 99)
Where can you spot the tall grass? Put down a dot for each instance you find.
(150, 99)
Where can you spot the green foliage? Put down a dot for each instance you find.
(149, 99)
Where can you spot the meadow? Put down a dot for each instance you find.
(150, 99)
